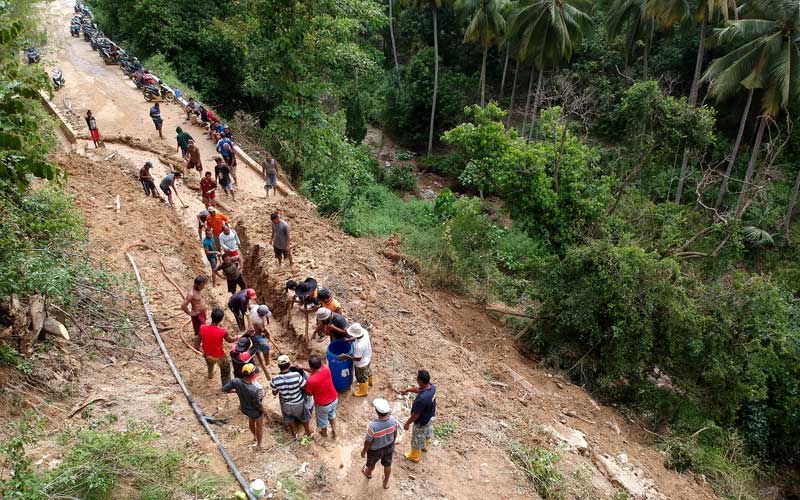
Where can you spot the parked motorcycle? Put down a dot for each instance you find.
(58, 79)
(75, 29)
(130, 66)
(158, 92)
(33, 55)
(142, 78)
(78, 7)
(89, 32)
(110, 54)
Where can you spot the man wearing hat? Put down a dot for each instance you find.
(251, 395)
(238, 303)
(215, 220)
(330, 324)
(148, 183)
(259, 335)
(362, 356)
(242, 353)
(379, 441)
(289, 384)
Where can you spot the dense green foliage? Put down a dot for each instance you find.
(24, 142)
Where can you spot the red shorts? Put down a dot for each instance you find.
(198, 321)
(95, 134)
(232, 253)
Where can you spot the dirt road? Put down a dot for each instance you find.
(491, 399)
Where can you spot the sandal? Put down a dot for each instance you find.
(364, 471)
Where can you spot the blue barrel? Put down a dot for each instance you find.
(341, 371)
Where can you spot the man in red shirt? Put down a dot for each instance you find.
(320, 385)
(211, 336)
(208, 190)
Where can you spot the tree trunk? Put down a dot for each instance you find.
(483, 74)
(698, 65)
(505, 70)
(724, 188)
(435, 75)
(528, 101)
(557, 166)
(513, 92)
(536, 104)
(647, 45)
(750, 167)
(391, 35)
(792, 202)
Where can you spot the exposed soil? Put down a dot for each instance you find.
(495, 395)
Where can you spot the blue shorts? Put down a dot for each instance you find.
(272, 180)
(212, 259)
(261, 343)
(325, 413)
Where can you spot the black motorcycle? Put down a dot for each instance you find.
(88, 32)
(58, 79)
(99, 41)
(33, 55)
(110, 54)
(75, 29)
(157, 93)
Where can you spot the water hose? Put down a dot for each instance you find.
(198, 413)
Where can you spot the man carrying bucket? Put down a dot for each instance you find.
(362, 356)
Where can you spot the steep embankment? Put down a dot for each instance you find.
(495, 402)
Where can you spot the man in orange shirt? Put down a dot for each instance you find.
(216, 220)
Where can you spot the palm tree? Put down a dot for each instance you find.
(767, 58)
(630, 15)
(485, 25)
(434, 5)
(548, 32)
(669, 13)
(391, 35)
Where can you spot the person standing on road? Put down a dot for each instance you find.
(92, 124)
(183, 139)
(229, 155)
(320, 386)
(362, 356)
(251, 396)
(229, 243)
(155, 115)
(379, 441)
(288, 385)
(423, 412)
(231, 273)
(168, 184)
(238, 303)
(210, 249)
(211, 337)
(148, 183)
(192, 156)
(269, 167)
(224, 175)
(198, 311)
(208, 190)
(281, 239)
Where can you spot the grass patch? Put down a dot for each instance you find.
(445, 430)
(539, 465)
(291, 488)
(723, 460)
(98, 465)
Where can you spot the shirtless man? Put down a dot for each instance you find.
(198, 312)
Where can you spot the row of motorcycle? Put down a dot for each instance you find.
(153, 89)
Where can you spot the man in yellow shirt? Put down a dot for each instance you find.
(326, 300)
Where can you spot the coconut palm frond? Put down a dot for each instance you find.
(756, 236)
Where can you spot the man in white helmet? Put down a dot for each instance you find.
(379, 441)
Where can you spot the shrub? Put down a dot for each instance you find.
(450, 165)
(401, 178)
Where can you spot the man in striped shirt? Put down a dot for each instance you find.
(289, 384)
(379, 441)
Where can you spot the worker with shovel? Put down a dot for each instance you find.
(168, 185)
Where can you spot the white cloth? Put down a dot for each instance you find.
(229, 242)
(362, 348)
(255, 319)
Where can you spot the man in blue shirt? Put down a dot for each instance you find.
(423, 412)
(155, 115)
(210, 248)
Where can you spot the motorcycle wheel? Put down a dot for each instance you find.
(148, 96)
(169, 96)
